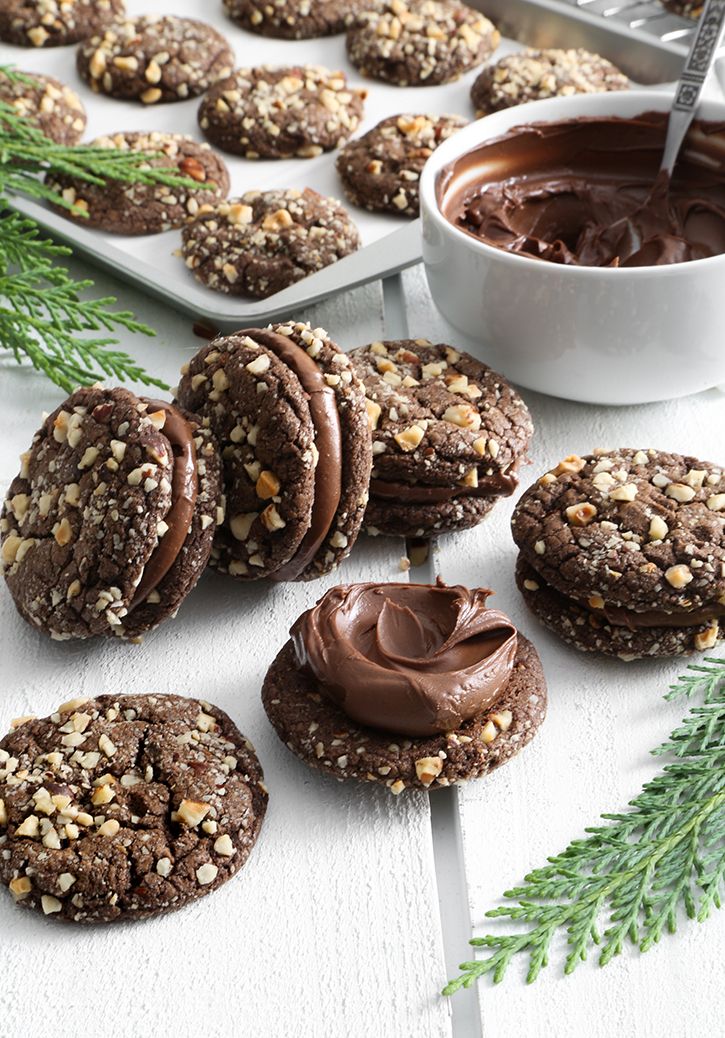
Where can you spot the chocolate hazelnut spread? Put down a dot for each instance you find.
(586, 192)
(184, 491)
(414, 659)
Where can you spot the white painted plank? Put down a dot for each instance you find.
(590, 756)
(332, 928)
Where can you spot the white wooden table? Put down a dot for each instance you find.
(356, 906)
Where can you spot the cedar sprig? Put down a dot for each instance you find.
(631, 879)
(45, 318)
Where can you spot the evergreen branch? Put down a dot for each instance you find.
(663, 856)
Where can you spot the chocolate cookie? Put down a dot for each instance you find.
(281, 113)
(55, 23)
(348, 659)
(381, 169)
(294, 19)
(265, 241)
(623, 552)
(124, 807)
(133, 209)
(686, 8)
(419, 42)
(54, 108)
(155, 59)
(290, 419)
(530, 75)
(111, 520)
(448, 436)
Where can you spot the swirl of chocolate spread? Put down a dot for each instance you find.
(585, 192)
(415, 659)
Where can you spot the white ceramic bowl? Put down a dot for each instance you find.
(610, 336)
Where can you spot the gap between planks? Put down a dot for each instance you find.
(450, 871)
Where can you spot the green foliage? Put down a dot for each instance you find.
(44, 317)
(629, 880)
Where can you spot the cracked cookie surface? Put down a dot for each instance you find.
(293, 19)
(53, 107)
(55, 23)
(123, 807)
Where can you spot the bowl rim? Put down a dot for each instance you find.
(547, 110)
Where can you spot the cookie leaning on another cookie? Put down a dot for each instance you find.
(155, 59)
(531, 75)
(265, 241)
(407, 686)
(381, 169)
(125, 807)
(55, 23)
(281, 112)
(419, 42)
(448, 437)
(294, 19)
(53, 107)
(134, 209)
(623, 552)
(290, 419)
(111, 520)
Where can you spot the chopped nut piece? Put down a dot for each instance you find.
(20, 887)
(50, 904)
(206, 874)
(572, 463)
(581, 514)
(224, 846)
(408, 439)
(658, 529)
(708, 638)
(627, 492)
(191, 812)
(267, 485)
(428, 768)
(678, 576)
(489, 732)
(503, 719)
(680, 492)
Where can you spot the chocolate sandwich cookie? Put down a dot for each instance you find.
(448, 437)
(281, 113)
(51, 106)
(155, 59)
(290, 419)
(686, 8)
(406, 685)
(111, 520)
(293, 19)
(623, 552)
(265, 241)
(55, 23)
(134, 209)
(531, 75)
(381, 169)
(419, 42)
(124, 807)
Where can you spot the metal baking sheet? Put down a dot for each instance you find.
(389, 243)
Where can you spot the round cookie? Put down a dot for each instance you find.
(296, 452)
(381, 169)
(419, 42)
(155, 59)
(324, 737)
(51, 106)
(125, 807)
(448, 436)
(111, 520)
(265, 241)
(623, 552)
(686, 8)
(530, 75)
(134, 209)
(55, 23)
(294, 19)
(280, 113)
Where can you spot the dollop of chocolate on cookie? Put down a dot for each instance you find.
(580, 192)
(415, 659)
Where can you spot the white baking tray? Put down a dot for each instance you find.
(150, 261)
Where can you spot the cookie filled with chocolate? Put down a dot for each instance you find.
(110, 521)
(289, 414)
(448, 434)
(623, 552)
(410, 686)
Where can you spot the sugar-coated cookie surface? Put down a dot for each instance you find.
(293, 19)
(53, 107)
(419, 42)
(55, 23)
(123, 807)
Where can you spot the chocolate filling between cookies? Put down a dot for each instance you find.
(415, 659)
(497, 484)
(184, 491)
(328, 443)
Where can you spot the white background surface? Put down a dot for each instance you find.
(333, 927)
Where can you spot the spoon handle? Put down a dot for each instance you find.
(694, 74)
